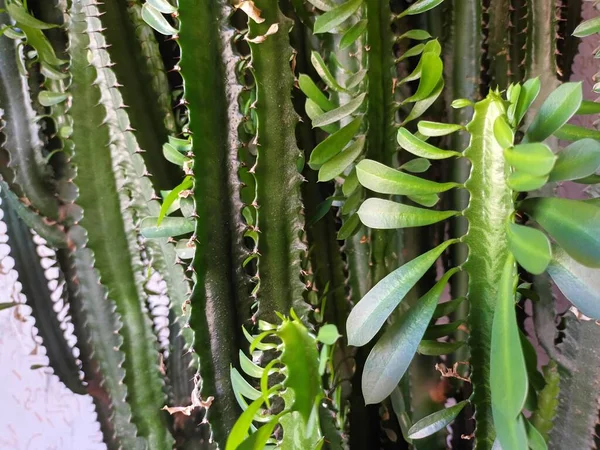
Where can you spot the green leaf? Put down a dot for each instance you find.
(163, 6)
(339, 113)
(355, 79)
(570, 132)
(534, 437)
(50, 72)
(239, 432)
(334, 144)
(439, 331)
(434, 129)
(417, 35)
(420, 7)
(390, 357)
(323, 71)
(421, 148)
(258, 440)
(352, 202)
(313, 111)
(49, 98)
(173, 156)
(383, 214)
(592, 179)
(573, 224)
(533, 159)
(511, 432)
(349, 227)
(446, 308)
(170, 226)
(353, 33)
(529, 92)
(432, 68)
(22, 17)
(428, 200)
(436, 421)
(579, 160)
(350, 183)
(421, 106)
(156, 20)
(412, 51)
(508, 373)
(460, 103)
(249, 368)
(588, 27)
(417, 165)
(327, 22)
(321, 210)
(310, 89)
(589, 107)
(503, 133)
(530, 247)
(174, 195)
(523, 182)
(371, 312)
(336, 165)
(181, 145)
(436, 348)
(242, 387)
(328, 334)
(556, 110)
(580, 284)
(385, 180)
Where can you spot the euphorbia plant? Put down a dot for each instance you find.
(256, 209)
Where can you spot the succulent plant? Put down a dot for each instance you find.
(307, 224)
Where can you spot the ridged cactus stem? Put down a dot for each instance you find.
(278, 181)
(220, 284)
(102, 161)
(490, 206)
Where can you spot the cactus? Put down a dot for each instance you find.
(246, 203)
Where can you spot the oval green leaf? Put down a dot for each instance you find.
(383, 214)
(163, 6)
(556, 110)
(446, 308)
(313, 111)
(334, 144)
(523, 182)
(239, 432)
(579, 160)
(417, 35)
(503, 133)
(417, 147)
(434, 129)
(530, 247)
(436, 421)
(353, 33)
(588, 27)
(156, 20)
(534, 159)
(417, 165)
(428, 200)
(323, 71)
(431, 74)
(573, 224)
(390, 357)
(385, 180)
(580, 284)
(570, 132)
(339, 113)
(174, 156)
(170, 226)
(48, 98)
(349, 227)
(420, 7)
(442, 330)
(435, 348)
(336, 165)
(371, 312)
(328, 334)
(327, 22)
(22, 17)
(420, 107)
(310, 89)
(529, 92)
(589, 107)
